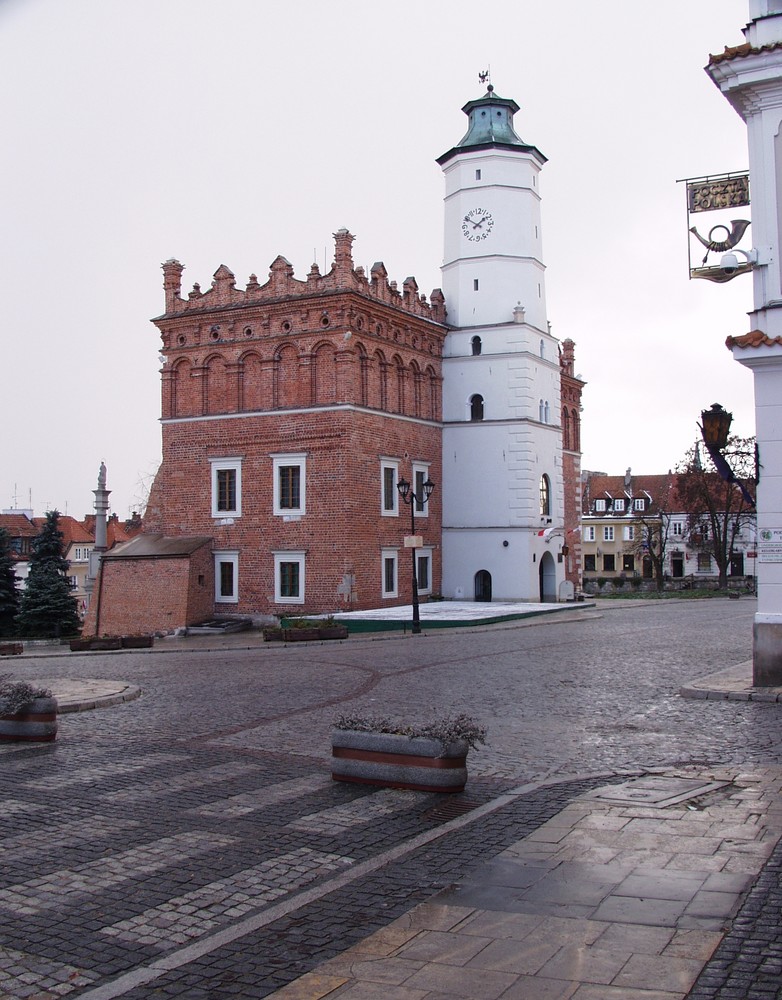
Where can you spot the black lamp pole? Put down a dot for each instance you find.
(408, 495)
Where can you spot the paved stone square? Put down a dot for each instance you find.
(190, 842)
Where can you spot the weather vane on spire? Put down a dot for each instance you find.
(484, 76)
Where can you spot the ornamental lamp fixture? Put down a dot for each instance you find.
(715, 427)
(409, 496)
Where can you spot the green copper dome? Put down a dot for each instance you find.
(491, 124)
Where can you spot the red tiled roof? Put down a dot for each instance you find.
(755, 338)
(661, 488)
(741, 51)
(73, 532)
(18, 525)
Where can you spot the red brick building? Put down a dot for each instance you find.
(290, 410)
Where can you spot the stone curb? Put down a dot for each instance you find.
(75, 703)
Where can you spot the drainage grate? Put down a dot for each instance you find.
(656, 791)
(451, 808)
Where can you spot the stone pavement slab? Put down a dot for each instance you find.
(571, 926)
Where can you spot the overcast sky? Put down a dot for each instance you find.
(229, 132)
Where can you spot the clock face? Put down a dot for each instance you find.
(477, 224)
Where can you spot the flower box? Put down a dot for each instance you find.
(395, 761)
(36, 723)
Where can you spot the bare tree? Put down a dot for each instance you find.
(717, 509)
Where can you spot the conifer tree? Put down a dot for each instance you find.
(9, 595)
(48, 608)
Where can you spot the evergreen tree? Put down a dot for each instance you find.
(9, 595)
(48, 608)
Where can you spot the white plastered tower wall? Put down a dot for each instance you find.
(750, 77)
(501, 353)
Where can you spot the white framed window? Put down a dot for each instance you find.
(629, 533)
(545, 495)
(619, 505)
(420, 476)
(389, 495)
(226, 577)
(589, 533)
(289, 577)
(423, 568)
(389, 572)
(639, 503)
(290, 484)
(226, 487)
(608, 532)
(677, 528)
(600, 505)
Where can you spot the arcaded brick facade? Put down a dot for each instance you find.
(290, 410)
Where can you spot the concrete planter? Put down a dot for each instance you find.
(397, 761)
(36, 724)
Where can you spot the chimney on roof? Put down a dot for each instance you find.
(628, 477)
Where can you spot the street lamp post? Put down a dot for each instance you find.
(409, 496)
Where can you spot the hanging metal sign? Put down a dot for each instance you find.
(721, 194)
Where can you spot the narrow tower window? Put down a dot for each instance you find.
(476, 407)
(545, 495)
(475, 284)
(477, 175)
(476, 346)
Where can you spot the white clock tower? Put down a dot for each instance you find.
(502, 443)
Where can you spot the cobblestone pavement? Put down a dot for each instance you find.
(190, 843)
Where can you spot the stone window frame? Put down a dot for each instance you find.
(389, 477)
(219, 465)
(425, 552)
(389, 555)
(285, 461)
(420, 475)
(282, 558)
(226, 557)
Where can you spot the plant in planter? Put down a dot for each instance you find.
(28, 714)
(306, 629)
(430, 758)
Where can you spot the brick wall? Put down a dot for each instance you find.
(152, 595)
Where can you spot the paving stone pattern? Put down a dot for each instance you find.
(198, 824)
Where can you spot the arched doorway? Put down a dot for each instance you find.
(548, 579)
(483, 585)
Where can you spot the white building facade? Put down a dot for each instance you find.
(502, 440)
(750, 77)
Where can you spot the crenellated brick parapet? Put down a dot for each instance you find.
(343, 277)
(339, 338)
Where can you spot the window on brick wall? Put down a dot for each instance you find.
(423, 563)
(389, 496)
(289, 575)
(390, 572)
(290, 481)
(226, 577)
(226, 487)
(420, 476)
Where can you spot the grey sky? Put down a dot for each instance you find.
(231, 132)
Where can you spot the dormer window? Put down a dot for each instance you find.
(639, 504)
(600, 505)
(619, 506)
